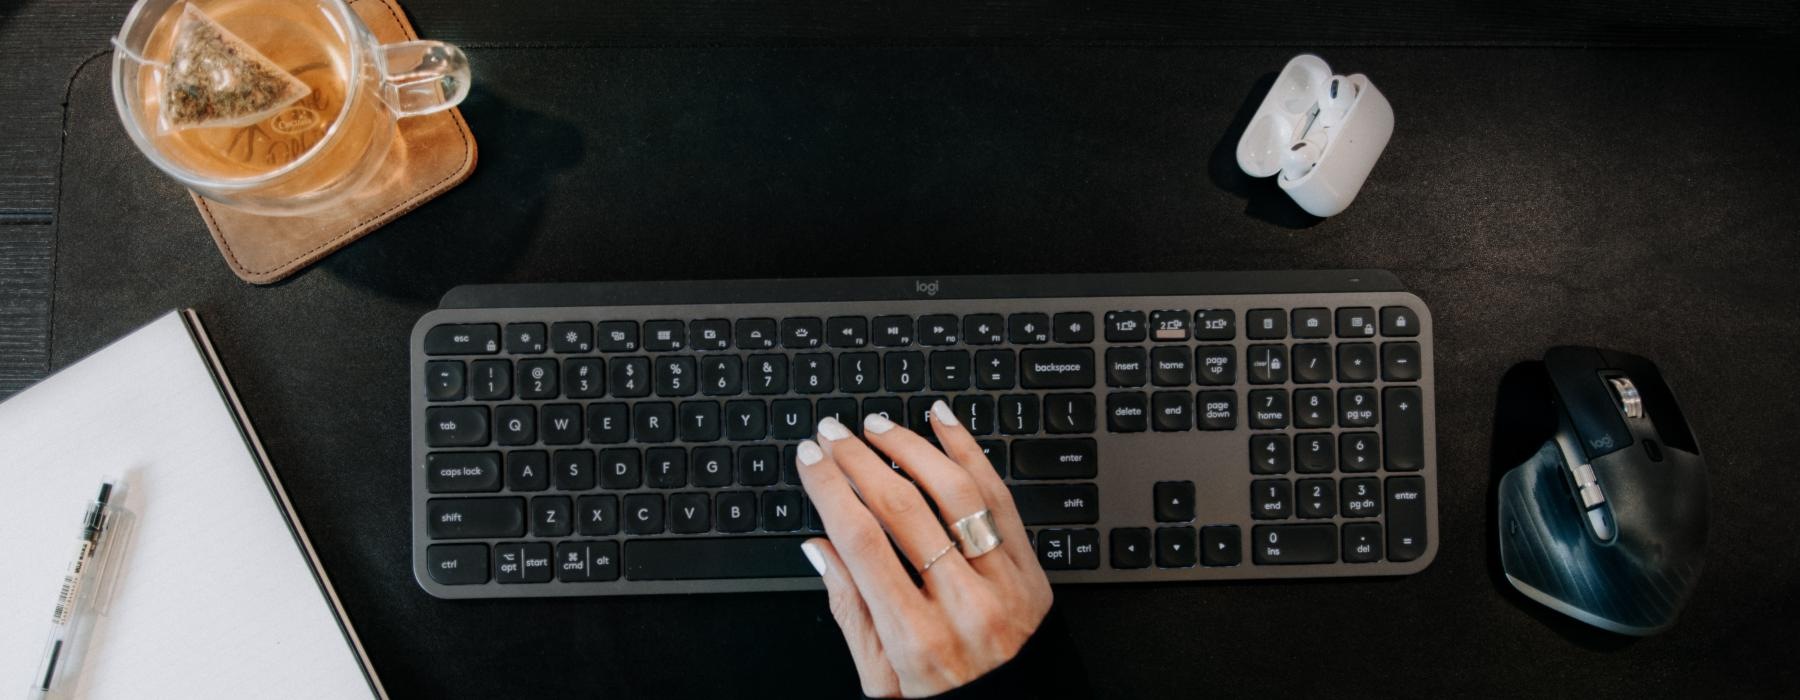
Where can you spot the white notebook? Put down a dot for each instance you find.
(217, 593)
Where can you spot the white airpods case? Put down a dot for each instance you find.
(1320, 145)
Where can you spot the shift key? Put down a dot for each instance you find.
(1057, 504)
(463, 518)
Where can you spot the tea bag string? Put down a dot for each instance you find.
(135, 56)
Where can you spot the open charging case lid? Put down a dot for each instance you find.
(1293, 109)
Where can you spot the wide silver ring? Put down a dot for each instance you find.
(933, 559)
(976, 534)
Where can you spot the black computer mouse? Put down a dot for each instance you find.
(1607, 522)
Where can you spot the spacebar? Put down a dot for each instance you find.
(716, 557)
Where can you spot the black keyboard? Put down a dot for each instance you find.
(632, 438)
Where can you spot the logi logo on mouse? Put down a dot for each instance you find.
(929, 289)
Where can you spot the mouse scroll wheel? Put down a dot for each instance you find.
(1626, 393)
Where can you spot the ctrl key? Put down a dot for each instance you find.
(1069, 549)
(457, 564)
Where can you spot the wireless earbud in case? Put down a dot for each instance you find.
(1319, 133)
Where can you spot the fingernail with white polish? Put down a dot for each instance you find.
(809, 453)
(941, 411)
(877, 423)
(831, 429)
(812, 555)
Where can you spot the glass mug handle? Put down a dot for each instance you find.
(422, 77)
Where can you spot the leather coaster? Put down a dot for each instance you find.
(430, 155)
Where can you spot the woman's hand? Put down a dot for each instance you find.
(973, 613)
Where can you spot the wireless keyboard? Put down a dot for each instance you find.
(639, 438)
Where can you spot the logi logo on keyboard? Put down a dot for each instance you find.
(929, 289)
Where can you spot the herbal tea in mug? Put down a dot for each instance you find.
(273, 106)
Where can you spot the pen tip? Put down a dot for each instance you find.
(105, 492)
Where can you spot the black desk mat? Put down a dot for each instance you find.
(1641, 200)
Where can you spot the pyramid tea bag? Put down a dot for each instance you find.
(214, 78)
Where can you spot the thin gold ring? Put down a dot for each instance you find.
(935, 557)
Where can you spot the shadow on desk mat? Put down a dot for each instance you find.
(1512, 199)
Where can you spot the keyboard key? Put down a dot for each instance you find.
(1027, 329)
(1125, 326)
(767, 374)
(1362, 542)
(580, 562)
(444, 380)
(814, 373)
(1265, 324)
(791, 419)
(462, 472)
(1069, 413)
(1218, 410)
(1400, 362)
(1055, 459)
(550, 516)
(1131, 548)
(801, 333)
(629, 377)
(756, 333)
(1312, 323)
(616, 336)
(1073, 327)
(1405, 428)
(937, 329)
(561, 424)
(903, 372)
(949, 370)
(1174, 501)
(1221, 545)
(781, 511)
(457, 564)
(1360, 497)
(889, 407)
(1399, 322)
(621, 469)
(527, 470)
(1356, 322)
(608, 423)
(1356, 408)
(758, 465)
(456, 426)
(1312, 408)
(690, 513)
(1069, 549)
(1294, 544)
(675, 376)
(572, 336)
(1317, 498)
(584, 378)
(573, 470)
(1057, 504)
(1358, 452)
(721, 375)
(1175, 547)
(995, 369)
(1356, 362)
(643, 514)
(463, 339)
(1169, 366)
(712, 466)
(1056, 368)
(597, 515)
(737, 511)
(709, 334)
(1216, 365)
(984, 329)
(1268, 363)
(664, 336)
(995, 452)
(700, 421)
(1127, 366)
(1314, 453)
(893, 331)
(468, 518)
(1270, 454)
(1312, 363)
(537, 379)
(1172, 411)
(847, 331)
(1268, 409)
(665, 468)
(976, 412)
(716, 558)
(845, 411)
(1215, 324)
(1126, 412)
(1406, 539)
(490, 380)
(859, 373)
(523, 562)
(1271, 499)
(746, 420)
(1168, 326)
(653, 421)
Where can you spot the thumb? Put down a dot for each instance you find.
(852, 615)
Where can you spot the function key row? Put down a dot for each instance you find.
(803, 333)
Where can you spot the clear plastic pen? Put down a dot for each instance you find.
(67, 623)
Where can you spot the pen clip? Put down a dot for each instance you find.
(115, 536)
